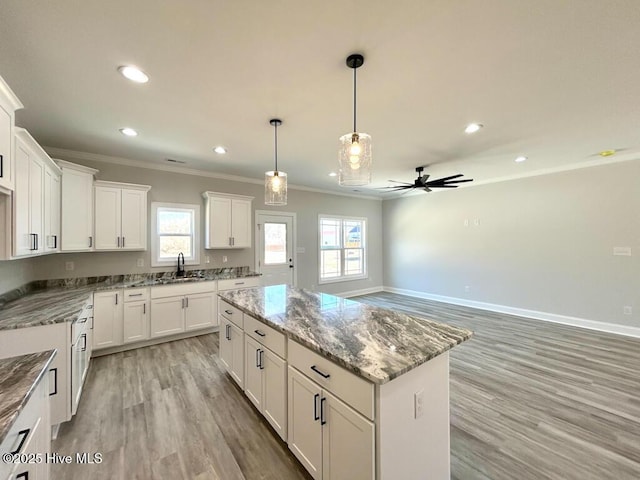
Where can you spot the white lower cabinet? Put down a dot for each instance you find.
(107, 319)
(232, 350)
(265, 383)
(183, 307)
(330, 439)
(135, 321)
(21, 341)
(30, 435)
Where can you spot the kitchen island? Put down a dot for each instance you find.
(367, 388)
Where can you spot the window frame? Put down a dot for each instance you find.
(156, 261)
(343, 278)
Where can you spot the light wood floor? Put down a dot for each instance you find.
(529, 400)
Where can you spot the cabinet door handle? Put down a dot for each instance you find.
(90, 242)
(322, 374)
(37, 241)
(1, 166)
(91, 323)
(122, 242)
(116, 298)
(33, 242)
(228, 331)
(260, 333)
(24, 434)
(55, 381)
(55, 241)
(322, 419)
(144, 308)
(182, 302)
(316, 417)
(118, 242)
(261, 359)
(257, 358)
(186, 301)
(84, 342)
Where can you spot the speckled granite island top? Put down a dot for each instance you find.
(18, 378)
(373, 342)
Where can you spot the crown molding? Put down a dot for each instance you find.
(96, 157)
(7, 93)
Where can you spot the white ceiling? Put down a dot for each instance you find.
(555, 80)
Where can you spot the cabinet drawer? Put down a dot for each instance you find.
(230, 313)
(188, 288)
(234, 283)
(266, 335)
(354, 390)
(136, 294)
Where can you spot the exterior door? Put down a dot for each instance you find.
(275, 248)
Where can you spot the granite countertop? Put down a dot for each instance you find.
(373, 342)
(19, 377)
(62, 300)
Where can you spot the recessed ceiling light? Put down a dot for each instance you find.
(606, 153)
(521, 158)
(333, 174)
(133, 73)
(220, 150)
(473, 127)
(129, 132)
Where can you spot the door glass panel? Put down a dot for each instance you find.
(275, 243)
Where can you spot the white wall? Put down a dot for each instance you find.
(184, 188)
(542, 243)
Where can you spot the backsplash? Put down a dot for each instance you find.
(214, 273)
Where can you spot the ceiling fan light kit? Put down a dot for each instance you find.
(275, 181)
(354, 155)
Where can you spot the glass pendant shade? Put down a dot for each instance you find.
(275, 188)
(355, 159)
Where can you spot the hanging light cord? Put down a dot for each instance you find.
(354, 99)
(276, 146)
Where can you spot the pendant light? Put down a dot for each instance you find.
(355, 148)
(275, 182)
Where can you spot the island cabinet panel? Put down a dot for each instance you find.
(232, 350)
(265, 383)
(347, 386)
(107, 319)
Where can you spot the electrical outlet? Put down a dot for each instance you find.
(140, 262)
(207, 259)
(418, 403)
(627, 310)
(224, 259)
(69, 266)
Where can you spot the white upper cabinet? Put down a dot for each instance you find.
(228, 220)
(34, 202)
(77, 207)
(120, 216)
(9, 103)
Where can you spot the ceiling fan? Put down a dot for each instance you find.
(423, 182)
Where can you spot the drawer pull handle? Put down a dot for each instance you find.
(135, 294)
(322, 419)
(322, 374)
(227, 332)
(262, 334)
(316, 417)
(239, 283)
(228, 312)
(25, 434)
(55, 381)
(82, 320)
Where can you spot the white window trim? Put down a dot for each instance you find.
(343, 278)
(155, 239)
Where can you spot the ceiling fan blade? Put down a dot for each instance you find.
(443, 186)
(441, 181)
(444, 179)
(427, 189)
(396, 181)
(394, 188)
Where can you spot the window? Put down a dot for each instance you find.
(176, 229)
(342, 248)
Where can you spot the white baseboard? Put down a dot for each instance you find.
(523, 312)
(364, 291)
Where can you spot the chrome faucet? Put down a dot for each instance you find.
(180, 272)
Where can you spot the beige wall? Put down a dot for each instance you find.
(184, 188)
(15, 273)
(542, 243)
